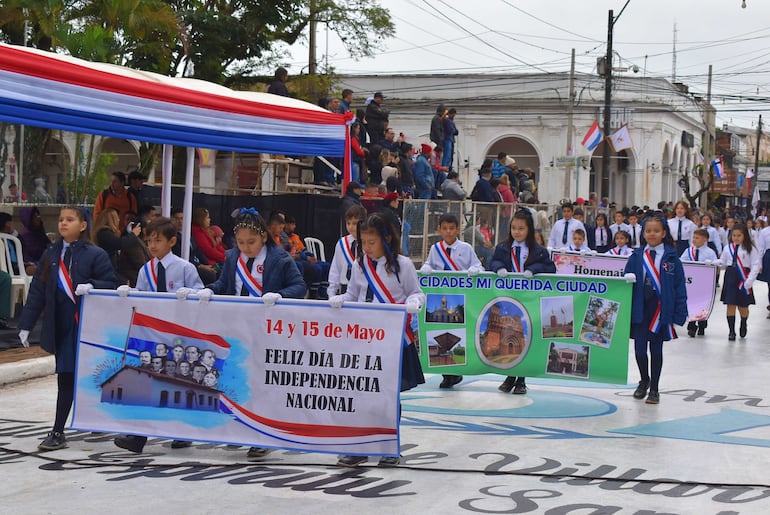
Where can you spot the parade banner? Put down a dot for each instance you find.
(701, 278)
(297, 375)
(542, 326)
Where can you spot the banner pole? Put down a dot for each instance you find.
(128, 336)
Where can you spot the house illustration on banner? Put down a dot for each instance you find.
(136, 386)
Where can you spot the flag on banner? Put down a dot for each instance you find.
(145, 332)
(719, 167)
(593, 137)
(621, 139)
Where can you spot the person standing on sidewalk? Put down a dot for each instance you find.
(71, 267)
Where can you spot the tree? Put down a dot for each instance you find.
(705, 180)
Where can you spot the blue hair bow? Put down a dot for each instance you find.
(248, 211)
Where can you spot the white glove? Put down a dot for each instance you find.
(502, 272)
(336, 301)
(475, 270)
(550, 249)
(425, 269)
(183, 292)
(123, 290)
(630, 278)
(205, 294)
(527, 273)
(413, 306)
(749, 283)
(271, 298)
(84, 289)
(24, 337)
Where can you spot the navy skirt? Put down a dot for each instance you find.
(411, 370)
(731, 294)
(765, 275)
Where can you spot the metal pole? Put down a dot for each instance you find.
(605, 173)
(188, 201)
(570, 148)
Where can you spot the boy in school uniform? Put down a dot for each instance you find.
(165, 272)
(579, 242)
(345, 252)
(561, 234)
(635, 231)
(620, 224)
(698, 252)
(451, 254)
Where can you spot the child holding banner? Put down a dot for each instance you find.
(681, 227)
(165, 272)
(452, 255)
(71, 261)
(345, 252)
(700, 251)
(257, 267)
(659, 300)
(742, 260)
(601, 234)
(579, 242)
(520, 254)
(383, 275)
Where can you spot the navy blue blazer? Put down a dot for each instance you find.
(281, 274)
(673, 294)
(538, 261)
(90, 264)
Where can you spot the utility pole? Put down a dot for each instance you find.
(605, 173)
(311, 65)
(708, 145)
(570, 148)
(603, 179)
(755, 182)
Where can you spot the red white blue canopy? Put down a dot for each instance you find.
(44, 89)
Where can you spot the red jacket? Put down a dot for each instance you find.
(214, 253)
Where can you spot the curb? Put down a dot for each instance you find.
(26, 369)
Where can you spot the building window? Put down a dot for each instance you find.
(120, 394)
(177, 396)
(163, 398)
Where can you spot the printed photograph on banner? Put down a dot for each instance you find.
(557, 317)
(568, 359)
(445, 309)
(446, 347)
(599, 321)
(165, 365)
(505, 332)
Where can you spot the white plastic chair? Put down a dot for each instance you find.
(315, 247)
(19, 281)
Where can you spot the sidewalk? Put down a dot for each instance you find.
(18, 363)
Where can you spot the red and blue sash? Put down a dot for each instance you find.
(516, 266)
(615, 250)
(249, 281)
(65, 283)
(382, 294)
(741, 270)
(449, 263)
(654, 274)
(691, 253)
(149, 272)
(347, 251)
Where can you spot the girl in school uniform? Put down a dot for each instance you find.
(602, 235)
(714, 241)
(345, 252)
(69, 268)
(681, 227)
(383, 275)
(659, 300)
(621, 247)
(257, 267)
(520, 254)
(743, 261)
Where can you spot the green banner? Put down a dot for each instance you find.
(554, 326)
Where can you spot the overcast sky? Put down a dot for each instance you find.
(516, 36)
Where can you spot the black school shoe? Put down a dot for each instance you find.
(449, 381)
(180, 444)
(53, 442)
(258, 452)
(351, 461)
(389, 461)
(507, 385)
(731, 337)
(641, 390)
(520, 389)
(131, 443)
(653, 398)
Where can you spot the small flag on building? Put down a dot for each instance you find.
(719, 167)
(621, 139)
(593, 137)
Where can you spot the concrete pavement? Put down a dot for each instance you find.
(577, 448)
